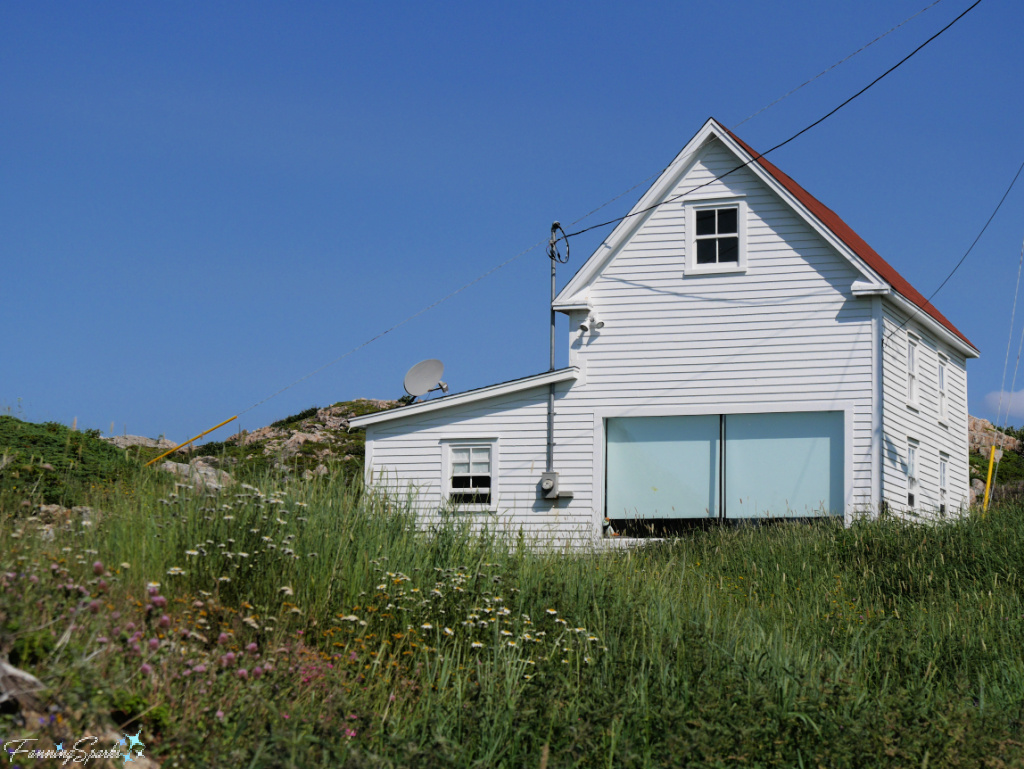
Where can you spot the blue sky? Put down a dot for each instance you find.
(201, 203)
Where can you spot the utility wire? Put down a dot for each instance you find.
(841, 61)
(928, 301)
(591, 213)
(1013, 383)
(781, 144)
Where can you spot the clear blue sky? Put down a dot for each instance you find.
(200, 203)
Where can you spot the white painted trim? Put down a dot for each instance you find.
(691, 208)
(494, 444)
(470, 396)
(601, 414)
(865, 288)
(878, 403)
(926, 320)
(676, 170)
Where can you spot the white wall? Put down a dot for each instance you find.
(787, 335)
(900, 421)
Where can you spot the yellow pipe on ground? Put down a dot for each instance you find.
(988, 483)
(180, 445)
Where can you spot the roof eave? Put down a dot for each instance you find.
(470, 396)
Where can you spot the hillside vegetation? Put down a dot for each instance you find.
(308, 624)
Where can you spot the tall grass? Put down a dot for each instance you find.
(367, 642)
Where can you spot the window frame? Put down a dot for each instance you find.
(913, 447)
(449, 445)
(718, 268)
(943, 482)
(913, 378)
(942, 385)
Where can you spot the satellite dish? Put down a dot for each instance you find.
(425, 377)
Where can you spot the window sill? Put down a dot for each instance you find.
(916, 407)
(944, 423)
(714, 269)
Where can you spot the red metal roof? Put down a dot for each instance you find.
(842, 230)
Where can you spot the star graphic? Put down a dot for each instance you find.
(121, 741)
(60, 746)
(134, 740)
(127, 758)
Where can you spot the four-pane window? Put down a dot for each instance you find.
(471, 475)
(717, 236)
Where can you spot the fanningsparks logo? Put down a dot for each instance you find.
(128, 748)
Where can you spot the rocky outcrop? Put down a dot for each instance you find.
(199, 474)
(981, 434)
(127, 441)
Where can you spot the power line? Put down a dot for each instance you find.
(1013, 383)
(585, 216)
(781, 144)
(829, 69)
(928, 301)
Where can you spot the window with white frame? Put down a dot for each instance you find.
(943, 401)
(943, 466)
(911, 370)
(470, 473)
(716, 240)
(912, 447)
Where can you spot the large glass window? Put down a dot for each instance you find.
(774, 465)
(784, 465)
(662, 467)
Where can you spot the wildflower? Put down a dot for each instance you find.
(151, 586)
(426, 626)
(252, 648)
(102, 639)
(223, 579)
(220, 715)
(477, 645)
(165, 621)
(591, 637)
(146, 669)
(242, 673)
(511, 643)
(223, 638)
(257, 672)
(199, 668)
(286, 590)
(350, 618)
(251, 622)
(552, 612)
(449, 631)
(154, 644)
(506, 633)
(97, 568)
(191, 552)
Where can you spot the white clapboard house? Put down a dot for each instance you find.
(736, 352)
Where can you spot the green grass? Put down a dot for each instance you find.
(881, 644)
(52, 464)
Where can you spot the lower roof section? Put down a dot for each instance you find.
(470, 396)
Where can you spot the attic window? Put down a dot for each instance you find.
(716, 236)
(716, 241)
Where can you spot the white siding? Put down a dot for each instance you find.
(901, 421)
(409, 452)
(786, 335)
